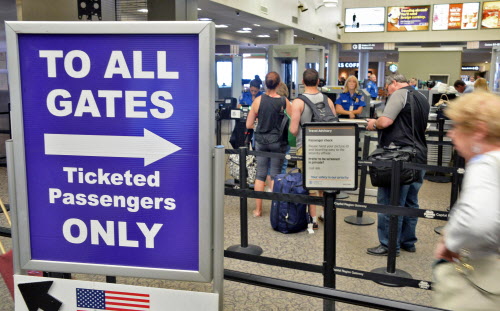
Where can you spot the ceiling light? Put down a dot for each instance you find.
(486, 62)
(256, 25)
(247, 55)
(295, 35)
(142, 10)
(205, 19)
(330, 3)
(221, 26)
(264, 36)
(243, 31)
(199, 9)
(247, 29)
(276, 30)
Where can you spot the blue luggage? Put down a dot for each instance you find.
(289, 217)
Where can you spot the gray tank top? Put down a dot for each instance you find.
(307, 114)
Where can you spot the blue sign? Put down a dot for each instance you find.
(111, 132)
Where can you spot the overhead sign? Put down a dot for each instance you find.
(114, 124)
(470, 68)
(408, 18)
(367, 46)
(364, 19)
(35, 293)
(488, 44)
(455, 16)
(348, 65)
(330, 156)
(491, 14)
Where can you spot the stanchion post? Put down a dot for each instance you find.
(359, 219)
(393, 230)
(440, 140)
(243, 200)
(439, 176)
(219, 128)
(393, 222)
(244, 247)
(329, 245)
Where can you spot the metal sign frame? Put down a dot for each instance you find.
(328, 126)
(206, 142)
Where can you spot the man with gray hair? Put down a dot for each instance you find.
(395, 130)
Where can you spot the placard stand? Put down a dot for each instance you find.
(330, 164)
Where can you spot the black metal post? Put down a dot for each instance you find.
(393, 222)
(440, 177)
(359, 219)
(440, 139)
(244, 247)
(330, 245)
(219, 128)
(393, 229)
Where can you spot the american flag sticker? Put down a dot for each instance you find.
(94, 299)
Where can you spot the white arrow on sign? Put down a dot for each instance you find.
(151, 147)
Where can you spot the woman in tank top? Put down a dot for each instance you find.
(269, 110)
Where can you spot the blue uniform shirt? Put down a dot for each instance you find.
(372, 89)
(346, 101)
(246, 98)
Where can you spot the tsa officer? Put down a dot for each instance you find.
(350, 102)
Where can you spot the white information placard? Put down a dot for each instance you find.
(70, 295)
(330, 156)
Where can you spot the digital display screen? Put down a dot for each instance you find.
(364, 19)
(455, 16)
(491, 11)
(408, 18)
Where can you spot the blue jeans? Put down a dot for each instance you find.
(406, 225)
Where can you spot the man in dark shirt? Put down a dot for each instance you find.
(395, 129)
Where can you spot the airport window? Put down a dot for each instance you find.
(254, 66)
(224, 74)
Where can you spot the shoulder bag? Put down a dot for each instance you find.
(380, 176)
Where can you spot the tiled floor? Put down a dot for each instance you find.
(352, 242)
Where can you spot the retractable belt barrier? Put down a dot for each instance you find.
(358, 206)
(323, 293)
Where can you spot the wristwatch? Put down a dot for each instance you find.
(375, 125)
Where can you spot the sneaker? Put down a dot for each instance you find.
(315, 226)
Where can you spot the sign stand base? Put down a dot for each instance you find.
(250, 249)
(398, 272)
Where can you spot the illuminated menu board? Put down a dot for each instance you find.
(408, 18)
(491, 11)
(364, 19)
(455, 16)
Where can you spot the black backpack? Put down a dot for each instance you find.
(321, 110)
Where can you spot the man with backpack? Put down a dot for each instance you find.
(311, 106)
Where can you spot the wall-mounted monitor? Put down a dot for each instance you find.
(491, 13)
(455, 16)
(364, 19)
(408, 18)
